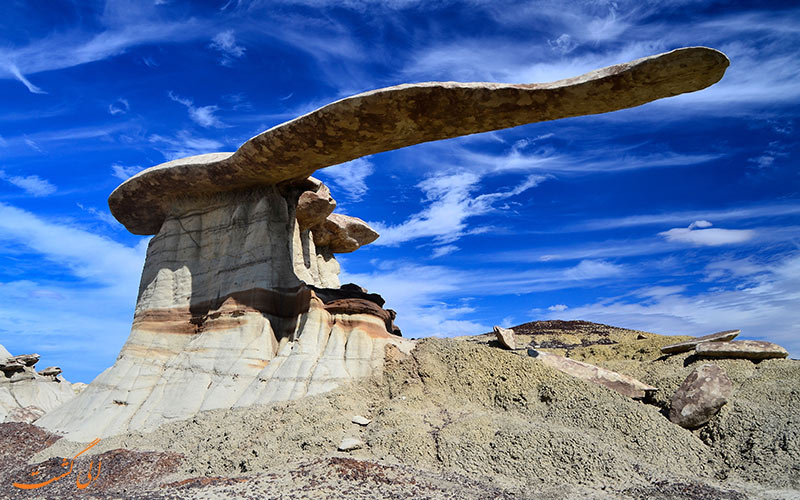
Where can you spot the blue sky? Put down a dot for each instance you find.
(678, 217)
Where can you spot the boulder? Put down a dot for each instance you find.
(27, 359)
(313, 208)
(749, 349)
(623, 384)
(700, 396)
(688, 345)
(506, 337)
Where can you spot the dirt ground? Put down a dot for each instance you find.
(461, 418)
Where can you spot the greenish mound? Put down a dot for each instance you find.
(466, 407)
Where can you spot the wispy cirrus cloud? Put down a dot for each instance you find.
(350, 177)
(701, 233)
(225, 43)
(202, 115)
(182, 144)
(31, 184)
(124, 172)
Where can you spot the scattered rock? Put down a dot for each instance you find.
(688, 345)
(700, 396)
(623, 384)
(506, 337)
(26, 414)
(51, 371)
(350, 444)
(358, 419)
(749, 349)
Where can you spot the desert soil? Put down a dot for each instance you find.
(463, 419)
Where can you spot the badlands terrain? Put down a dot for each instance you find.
(459, 418)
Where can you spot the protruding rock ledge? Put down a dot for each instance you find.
(688, 345)
(749, 349)
(396, 117)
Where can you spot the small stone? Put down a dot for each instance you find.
(51, 371)
(506, 337)
(700, 396)
(688, 345)
(749, 349)
(358, 419)
(343, 234)
(350, 444)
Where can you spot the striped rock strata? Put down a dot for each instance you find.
(232, 306)
(237, 306)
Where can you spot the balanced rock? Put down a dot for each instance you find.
(26, 395)
(228, 312)
(623, 384)
(506, 337)
(51, 371)
(700, 396)
(749, 349)
(688, 345)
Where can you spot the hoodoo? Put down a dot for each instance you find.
(240, 302)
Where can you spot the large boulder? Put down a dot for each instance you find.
(688, 345)
(700, 396)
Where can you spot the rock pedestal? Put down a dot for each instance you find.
(231, 312)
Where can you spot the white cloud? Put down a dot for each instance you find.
(708, 237)
(225, 43)
(102, 215)
(119, 107)
(350, 177)
(563, 44)
(761, 301)
(728, 214)
(450, 202)
(557, 308)
(14, 70)
(443, 250)
(203, 115)
(183, 144)
(124, 172)
(31, 184)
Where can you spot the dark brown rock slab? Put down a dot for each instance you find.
(404, 115)
(700, 396)
(688, 345)
(623, 384)
(748, 349)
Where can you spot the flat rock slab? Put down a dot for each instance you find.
(506, 337)
(361, 420)
(623, 384)
(688, 345)
(700, 396)
(749, 349)
(404, 115)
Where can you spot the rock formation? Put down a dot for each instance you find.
(750, 349)
(26, 395)
(688, 345)
(506, 337)
(700, 396)
(239, 302)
